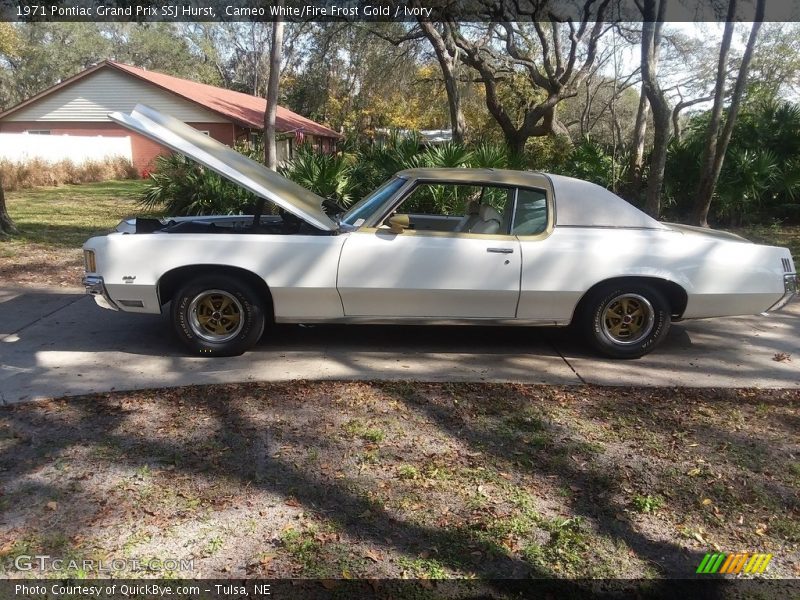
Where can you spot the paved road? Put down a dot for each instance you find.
(56, 342)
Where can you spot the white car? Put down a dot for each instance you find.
(511, 248)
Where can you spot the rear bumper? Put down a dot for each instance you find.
(790, 291)
(96, 287)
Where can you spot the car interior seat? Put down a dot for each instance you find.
(488, 220)
(471, 218)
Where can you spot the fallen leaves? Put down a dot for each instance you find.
(474, 470)
(373, 555)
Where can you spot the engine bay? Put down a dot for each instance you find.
(284, 224)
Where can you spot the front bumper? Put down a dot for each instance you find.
(790, 291)
(96, 287)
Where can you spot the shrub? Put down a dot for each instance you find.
(36, 172)
(327, 175)
(179, 186)
(760, 177)
(590, 161)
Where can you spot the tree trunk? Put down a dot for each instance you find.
(637, 146)
(651, 41)
(705, 187)
(515, 143)
(658, 163)
(447, 55)
(561, 131)
(7, 226)
(719, 145)
(270, 147)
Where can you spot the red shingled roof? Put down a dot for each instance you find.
(244, 109)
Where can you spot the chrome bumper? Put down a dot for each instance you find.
(95, 287)
(790, 291)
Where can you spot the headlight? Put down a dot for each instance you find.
(89, 262)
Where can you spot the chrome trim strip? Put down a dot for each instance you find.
(489, 321)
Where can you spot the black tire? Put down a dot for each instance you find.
(625, 320)
(218, 315)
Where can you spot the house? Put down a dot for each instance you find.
(80, 105)
(427, 137)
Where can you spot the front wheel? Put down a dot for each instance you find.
(626, 320)
(218, 315)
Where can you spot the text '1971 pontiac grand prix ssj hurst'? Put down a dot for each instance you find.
(429, 246)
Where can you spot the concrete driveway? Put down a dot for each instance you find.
(57, 342)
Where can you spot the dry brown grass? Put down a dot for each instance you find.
(39, 173)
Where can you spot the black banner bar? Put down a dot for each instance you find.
(385, 589)
(375, 10)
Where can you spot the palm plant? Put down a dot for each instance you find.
(744, 183)
(590, 161)
(447, 155)
(327, 175)
(179, 186)
(488, 155)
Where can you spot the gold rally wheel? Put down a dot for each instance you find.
(625, 320)
(218, 315)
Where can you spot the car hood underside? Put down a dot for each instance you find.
(251, 175)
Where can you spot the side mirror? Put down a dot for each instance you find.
(398, 223)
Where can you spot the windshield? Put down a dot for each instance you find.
(361, 211)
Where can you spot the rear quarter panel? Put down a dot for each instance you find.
(721, 277)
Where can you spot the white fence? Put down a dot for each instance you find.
(19, 147)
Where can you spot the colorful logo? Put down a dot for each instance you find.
(742, 562)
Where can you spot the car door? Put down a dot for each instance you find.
(426, 273)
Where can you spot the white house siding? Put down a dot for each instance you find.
(104, 91)
(20, 147)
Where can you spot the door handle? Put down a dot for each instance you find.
(501, 250)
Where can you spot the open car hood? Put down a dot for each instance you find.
(255, 177)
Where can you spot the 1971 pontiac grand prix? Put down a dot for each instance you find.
(512, 248)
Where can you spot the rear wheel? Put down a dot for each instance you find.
(625, 320)
(218, 315)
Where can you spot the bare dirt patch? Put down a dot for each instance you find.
(404, 480)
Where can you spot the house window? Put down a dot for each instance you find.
(38, 132)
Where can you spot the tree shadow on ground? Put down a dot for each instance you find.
(243, 441)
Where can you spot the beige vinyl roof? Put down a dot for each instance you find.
(578, 203)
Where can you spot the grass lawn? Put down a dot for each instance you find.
(417, 480)
(55, 222)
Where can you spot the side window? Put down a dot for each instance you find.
(530, 216)
(446, 200)
(459, 208)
